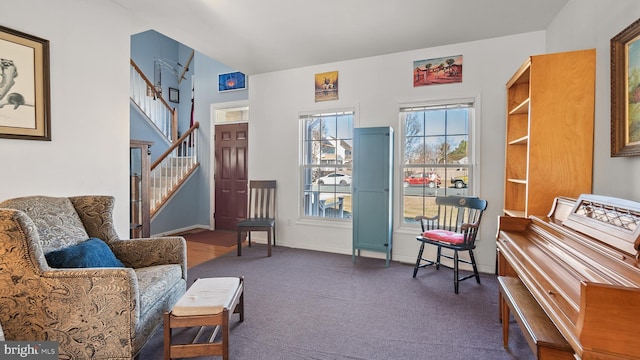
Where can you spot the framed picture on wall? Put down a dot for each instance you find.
(24, 87)
(326, 86)
(625, 92)
(444, 70)
(174, 95)
(232, 81)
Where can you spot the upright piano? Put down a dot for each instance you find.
(581, 265)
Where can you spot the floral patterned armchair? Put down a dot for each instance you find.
(94, 313)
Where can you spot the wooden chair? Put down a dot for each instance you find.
(454, 227)
(261, 212)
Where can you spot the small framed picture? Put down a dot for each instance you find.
(326, 86)
(174, 95)
(232, 81)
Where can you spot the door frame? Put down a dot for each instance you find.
(214, 108)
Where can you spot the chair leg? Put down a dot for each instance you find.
(249, 236)
(239, 242)
(274, 233)
(225, 335)
(269, 242)
(240, 306)
(455, 270)
(475, 268)
(438, 258)
(167, 336)
(415, 270)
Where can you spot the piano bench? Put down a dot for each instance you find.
(543, 336)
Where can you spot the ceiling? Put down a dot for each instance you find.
(258, 36)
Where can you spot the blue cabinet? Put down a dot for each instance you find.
(372, 185)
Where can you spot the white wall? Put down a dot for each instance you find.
(584, 24)
(88, 154)
(375, 87)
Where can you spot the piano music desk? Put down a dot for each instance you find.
(543, 337)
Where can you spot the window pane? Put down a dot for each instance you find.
(415, 205)
(435, 149)
(312, 141)
(457, 149)
(329, 127)
(345, 127)
(414, 150)
(414, 124)
(457, 121)
(434, 122)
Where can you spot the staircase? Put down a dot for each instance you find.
(180, 160)
(173, 168)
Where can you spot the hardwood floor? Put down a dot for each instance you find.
(197, 252)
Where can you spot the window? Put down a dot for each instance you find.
(437, 155)
(327, 143)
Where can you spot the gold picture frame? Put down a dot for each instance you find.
(24, 87)
(625, 92)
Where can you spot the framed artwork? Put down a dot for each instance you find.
(232, 81)
(326, 85)
(24, 88)
(625, 92)
(444, 70)
(174, 95)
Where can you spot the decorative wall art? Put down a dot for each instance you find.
(444, 70)
(232, 81)
(24, 88)
(625, 92)
(174, 95)
(326, 85)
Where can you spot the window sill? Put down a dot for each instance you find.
(334, 222)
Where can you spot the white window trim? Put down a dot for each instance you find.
(310, 220)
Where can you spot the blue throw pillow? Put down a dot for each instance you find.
(91, 253)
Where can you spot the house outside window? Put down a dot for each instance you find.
(437, 155)
(327, 143)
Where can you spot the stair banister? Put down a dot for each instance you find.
(173, 168)
(175, 145)
(170, 128)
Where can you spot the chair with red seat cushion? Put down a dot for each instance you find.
(455, 227)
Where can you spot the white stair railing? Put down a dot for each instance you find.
(173, 168)
(152, 104)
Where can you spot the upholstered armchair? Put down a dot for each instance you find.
(93, 312)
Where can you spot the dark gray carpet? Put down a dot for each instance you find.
(302, 304)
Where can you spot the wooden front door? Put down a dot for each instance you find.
(231, 142)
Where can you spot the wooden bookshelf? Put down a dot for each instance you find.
(549, 139)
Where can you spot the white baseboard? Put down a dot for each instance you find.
(182, 230)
